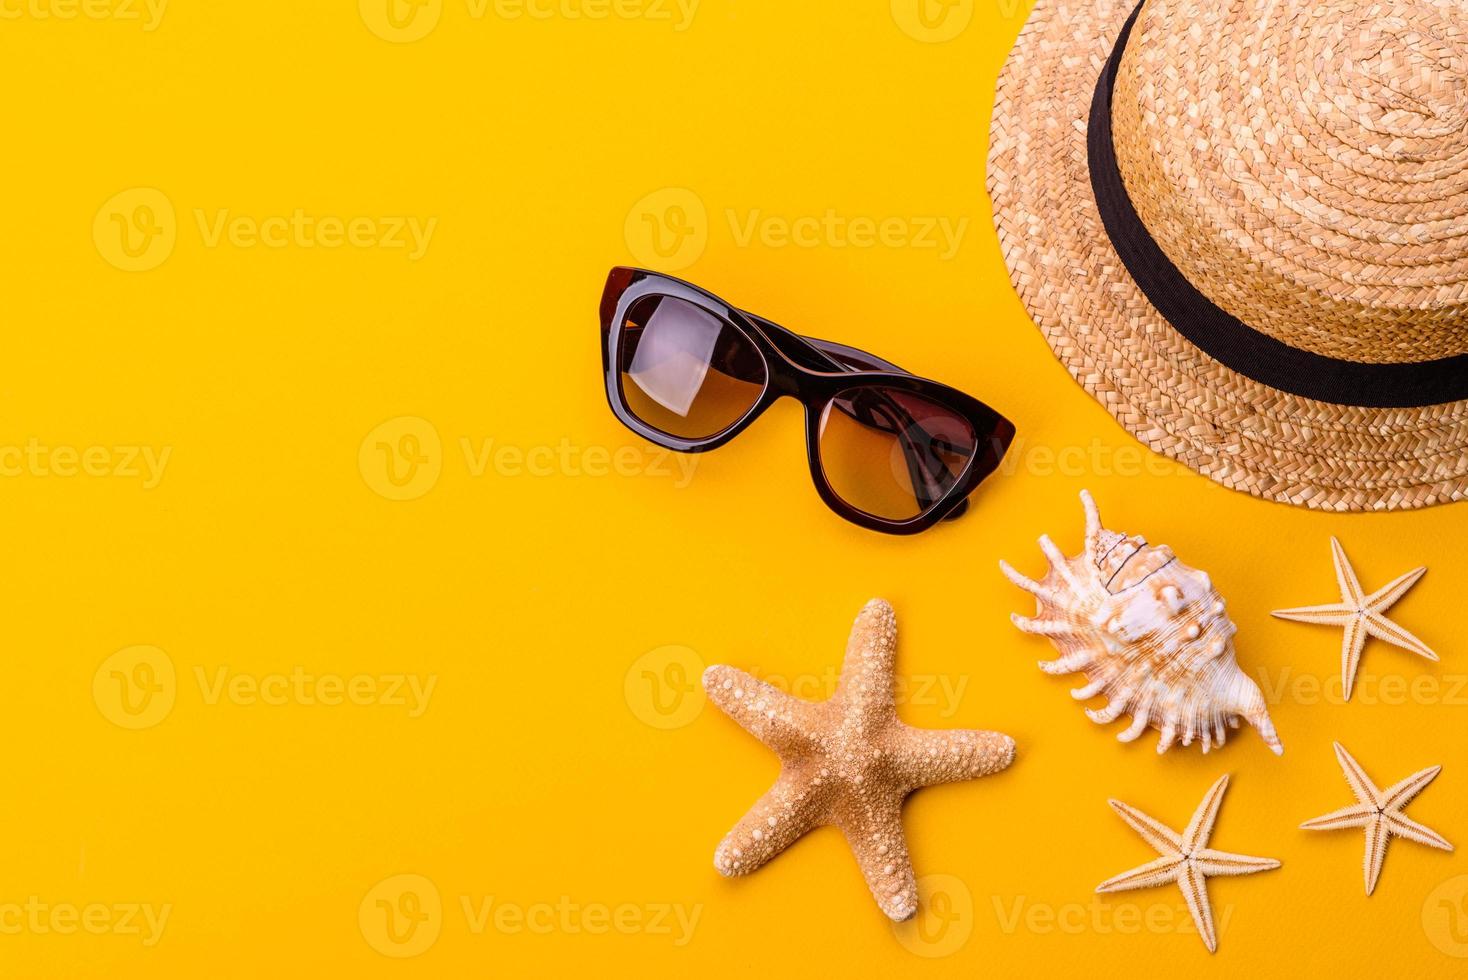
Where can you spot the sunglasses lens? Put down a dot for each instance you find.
(685, 371)
(891, 453)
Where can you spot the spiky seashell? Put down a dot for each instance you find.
(1149, 633)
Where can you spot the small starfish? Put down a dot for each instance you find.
(1186, 859)
(1380, 812)
(846, 761)
(1361, 615)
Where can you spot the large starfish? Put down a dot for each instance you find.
(1380, 812)
(1362, 615)
(1186, 859)
(846, 761)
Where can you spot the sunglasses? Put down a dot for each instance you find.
(888, 450)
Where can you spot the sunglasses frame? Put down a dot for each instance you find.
(811, 371)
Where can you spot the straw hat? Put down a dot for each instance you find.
(1243, 226)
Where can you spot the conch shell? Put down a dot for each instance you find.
(1149, 633)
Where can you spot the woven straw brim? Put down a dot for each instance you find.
(1164, 390)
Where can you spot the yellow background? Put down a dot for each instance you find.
(539, 591)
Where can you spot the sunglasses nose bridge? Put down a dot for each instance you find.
(791, 377)
(785, 384)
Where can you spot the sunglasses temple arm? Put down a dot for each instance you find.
(924, 469)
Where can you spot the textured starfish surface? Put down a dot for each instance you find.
(1379, 811)
(1362, 615)
(847, 762)
(1186, 859)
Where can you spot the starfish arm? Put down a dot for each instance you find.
(1355, 815)
(1378, 835)
(791, 808)
(1162, 871)
(1385, 597)
(1334, 614)
(1361, 784)
(1352, 643)
(865, 687)
(922, 757)
(1345, 575)
(1200, 828)
(1194, 885)
(779, 720)
(1384, 629)
(1398, 795)
(1403, 826)
(1162, 839)
(1212, 862)
(873, 828)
